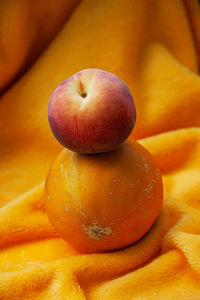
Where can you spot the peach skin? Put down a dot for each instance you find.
(92, 111)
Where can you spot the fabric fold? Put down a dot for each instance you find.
(154, 47)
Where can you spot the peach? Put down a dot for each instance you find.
(92, 111)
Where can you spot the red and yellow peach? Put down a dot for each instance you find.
(92, 111)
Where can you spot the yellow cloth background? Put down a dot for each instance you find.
(154, 46)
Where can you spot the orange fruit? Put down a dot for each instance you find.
(105, 201)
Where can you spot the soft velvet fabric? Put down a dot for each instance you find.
(154, 46)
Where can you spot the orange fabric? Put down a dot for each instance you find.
(154, 47)
(27, 27)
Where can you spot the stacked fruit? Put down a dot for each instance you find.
(105, 192)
